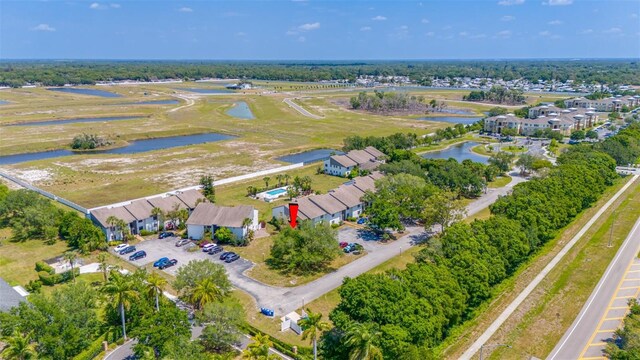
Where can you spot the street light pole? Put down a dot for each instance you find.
(492, 345)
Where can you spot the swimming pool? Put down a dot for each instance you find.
(276, 192)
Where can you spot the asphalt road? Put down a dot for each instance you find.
(497, 323)
(603, 312)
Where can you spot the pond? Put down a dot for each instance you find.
(82, 91)
(309, 156)
(452, 119)
(207, 91)
(4, 102)
(459, 152)
(134, 147)
(78, 120)
(153, 102)
(240, 110)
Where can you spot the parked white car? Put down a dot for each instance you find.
(208, 247)
(120, 247)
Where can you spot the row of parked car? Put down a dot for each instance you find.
(226, 256)
(161, 263)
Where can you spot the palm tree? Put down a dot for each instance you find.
(156, 284)
(113, 223)
(286, 179)
(313, 326)
(159, 214)
(121, 290)
(204, 292)
(266, 180)
(259, 349)
(103, 266)
(71, 257)
(361, 339)
(279, 179)
(19, 347)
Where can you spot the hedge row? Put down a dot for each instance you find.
(304, 353)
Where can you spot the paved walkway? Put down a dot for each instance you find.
(536, 281)
(300, 109)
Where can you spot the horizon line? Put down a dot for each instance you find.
(326, 60)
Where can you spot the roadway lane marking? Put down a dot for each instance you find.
(614, 318)
(599, 344)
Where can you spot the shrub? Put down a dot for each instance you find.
(46, 278)
(66, 276)
(43, 266)
(92, 351)
(34, 286)
(335, 226)
(146, 232)
(352, 219)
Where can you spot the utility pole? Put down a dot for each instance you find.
(611, 230)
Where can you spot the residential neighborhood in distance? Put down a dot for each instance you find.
(320, 180)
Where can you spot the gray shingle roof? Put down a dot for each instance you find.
(347, 194)
(343, 160)
(309, 210)
(167, 203)
(140, 209)
(190, 197)
(373, 151)
(328, 203)
(120, 212)
(8, 296)
(210, 214)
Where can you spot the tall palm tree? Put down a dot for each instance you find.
(159, 214)
(103, 266)
(71, 257)
(313, 326)
(259, 349)
(286, 179)
(266, 180)
(204, 292)
(122, 291)
(279, 179)
(114, 223)
(155, 284)
(361, 338)
(19, 347)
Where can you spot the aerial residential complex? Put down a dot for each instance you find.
(614, 103)
(544, 117)
(342, 165)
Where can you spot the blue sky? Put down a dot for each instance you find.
(271, 30)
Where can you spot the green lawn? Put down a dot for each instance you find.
(500, 181)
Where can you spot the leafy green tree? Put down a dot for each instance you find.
(502, 160)
(362, 339)
(192, 274)
(442, 209)
(313, 326)
(206, 291)
(306, 249)
(222, 325)
(160, 328)
(208, 190)
(225, 236)
(509, 132)
(578, 135)
(121, 290)
(525, 163)
(258, 349)
(591, 134)
(626, 344)
(19, 347)
(30, 216)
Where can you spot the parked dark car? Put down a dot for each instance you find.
(166, 234)
(225, 255)
(167, 264)
(128, 250)
(216, 250)
(138, 255)
(160, 261)
(231, 258)
(182, 242)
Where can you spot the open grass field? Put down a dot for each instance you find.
(464, 335)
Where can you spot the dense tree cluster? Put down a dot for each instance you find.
(624, 147)
(415, 309)
(56, 73)
(498, 95)
(385, 102)
(625, 344)
(306, 249)
(31, 216)
(88, 142)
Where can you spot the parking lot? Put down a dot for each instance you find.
(159, 248)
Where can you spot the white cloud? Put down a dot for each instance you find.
(424, 21)
(115, 6)
(558, 2)
(545, 33)
(510, 2)
(94, 6)
(302, 39)
(613, 30)
(185, 9)
(379, 18)
(309, 26)
(404, 27)
(43, 27)
(478, 36)
(508, 18)
(586, 31)
(504, 34)
(291, 32)
(463, 33)
(98, 6)
(555, 22)
(365, 28)
(430, 34)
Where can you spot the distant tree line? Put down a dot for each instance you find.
(497, 95)
(55, 73)
(385, 102)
